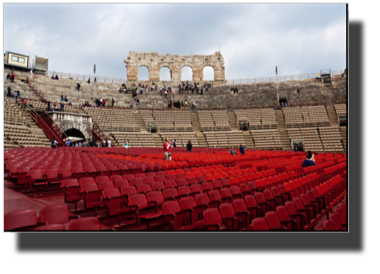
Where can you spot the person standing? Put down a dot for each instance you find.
(241, 149)
(68, 143)
(189, 146)
(175, 143)
(113, 101)
(53, 143)
(126, 144)
(109, 143)
(167, 150)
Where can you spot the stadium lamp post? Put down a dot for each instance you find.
(94, 79)
(278, 98)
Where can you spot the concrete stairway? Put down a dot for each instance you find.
(33, 127)
(195, 121)
(201, 139)
(248, 140)
(344, 137)
(140, 121)
(233, 123)
(332, 115)
(283, 133)
(114, 143)
(157, 139)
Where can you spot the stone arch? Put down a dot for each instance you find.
(142, 77)
(185, 74)
(77, 126)
(165, 73)
(208, 75)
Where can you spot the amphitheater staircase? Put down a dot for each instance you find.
(332, 115)
(195, 121)
(200, 136)
(344, 137)
(33, 127)
(233, 123)
(110, 136)
(139, 121)
(248, 140)
(283, 133)
(157, 139)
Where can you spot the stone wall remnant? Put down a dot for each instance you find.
(154, 62)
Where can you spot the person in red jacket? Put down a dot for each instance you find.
(167, 150)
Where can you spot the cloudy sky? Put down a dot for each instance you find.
(254, 38)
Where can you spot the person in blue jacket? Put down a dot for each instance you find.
(309, 161)
(241, 149)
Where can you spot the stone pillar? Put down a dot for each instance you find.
(197, 73)
(132, 72)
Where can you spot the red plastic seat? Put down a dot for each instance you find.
(338, 211)
(172, 210)
(140, 175)
(128, 177)
(170, 177)
(260, 224)
(139, 203)
(51, 175)
(202, 200)
(102, 179)
(149, 180)
(192, 180)
(270, 198)
(89, 223)
(136, 182)
(72, 191)
(92, 196)
(285, 219)
(196, 188)
(55, 214)
(189, 206)
(273, 221)
(252, 205)
(184, 191)
(86, 180)
(115, 178)
(127, 191)
(37, 178)
(201, 179)
(228, 215)
(20, 220)
(155, 198)
(182, 182)
(236, 192)
(262, 202)
(242, 212)
(160, 178)
(328, 225)
(114, 202)
(226, 195)
(170, 184)
(158, 186)
(143, 188)
(336, 221)
(105, 185)
(216, 184)
(213, 219)
(170, 194)
(121, 183)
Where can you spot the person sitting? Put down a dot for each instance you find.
(309, 161)
(65, 99)
(232, 152)
(24, 103)
(70, 102)
(89, 81)
(56, 77)
(137, 102)
(52, 77)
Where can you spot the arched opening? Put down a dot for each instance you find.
(208, 73)
(143, 73)
(165, 74)
(75, 135)
(186, 73)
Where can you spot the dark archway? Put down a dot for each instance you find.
(72, 132)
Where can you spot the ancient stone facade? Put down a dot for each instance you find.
(67, 121)
(175, 63)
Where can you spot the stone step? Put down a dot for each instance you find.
(332, 116)
(232, 118)
(140, 121)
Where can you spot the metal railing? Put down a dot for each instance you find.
(84, 77)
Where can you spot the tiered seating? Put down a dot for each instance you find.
(331, 139)
(263, 118)
(37, 105)
(210, 120)
(113, 119)
(138, 139)
(21, 136)
(306, 116)
(309, 137)
(267, 139)
(182, 138)
(225, 139)
(340, 110)
(12, 114)
(147, 116)
(172, 120)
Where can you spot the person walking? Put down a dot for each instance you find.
(189, 146)
(167, 150)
